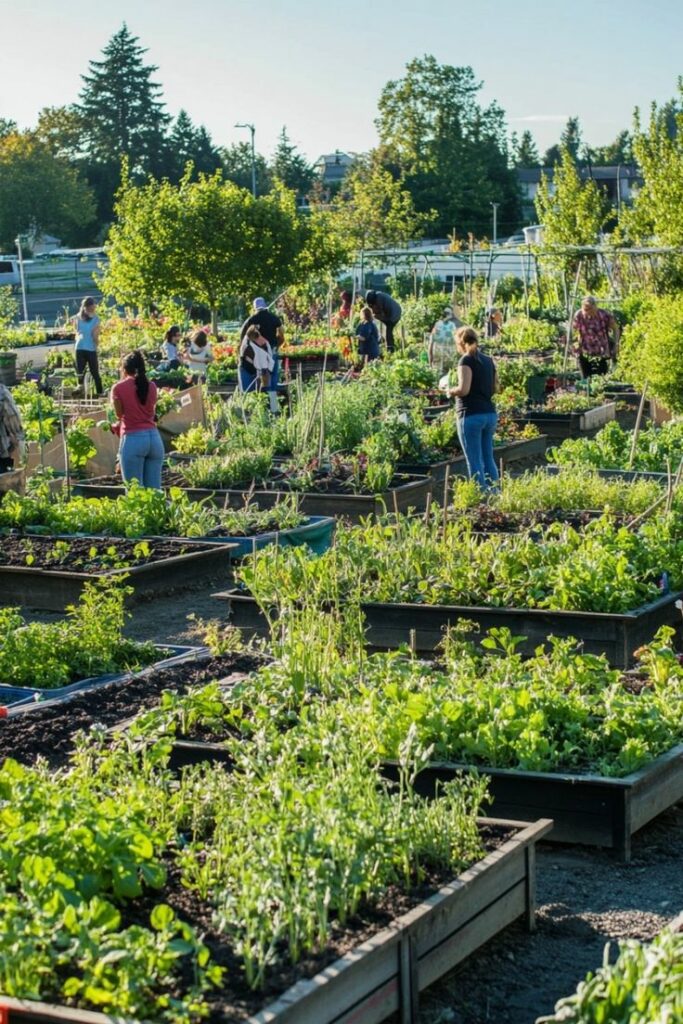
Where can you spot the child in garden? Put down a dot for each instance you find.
(256, 361)
(170, 349)
(368, 336)
(199, 355)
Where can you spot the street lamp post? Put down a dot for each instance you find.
(17, 242)
(495, 222)
(252, 129)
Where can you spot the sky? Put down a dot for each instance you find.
(318, 68)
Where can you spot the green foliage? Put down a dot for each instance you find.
(603, 568)
(643, 985)
(202, 240)
(419, 315)
(39, 412)
(89, 642)
(236, 469)
(450, 151)
(658, 449)
(40, 191)
(573, 213)
(651, 353)
(81, 447)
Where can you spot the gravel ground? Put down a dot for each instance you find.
(585, 897)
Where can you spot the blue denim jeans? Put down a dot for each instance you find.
(141, 455)
(475, 432)
(248, 381)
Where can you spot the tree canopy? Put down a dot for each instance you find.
(451, 152)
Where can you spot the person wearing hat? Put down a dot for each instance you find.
(270, 327)
(598, 341)
(442, 352)
(387, 311)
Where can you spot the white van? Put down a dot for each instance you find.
(9, 271)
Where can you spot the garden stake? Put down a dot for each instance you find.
(570, 318)
(445, 485)
(428, 505)
(66, 455)
(636, 429)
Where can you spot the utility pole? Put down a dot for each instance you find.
(252, 129)
(17, 242)
(495, 222)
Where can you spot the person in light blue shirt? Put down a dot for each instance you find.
(87, 325)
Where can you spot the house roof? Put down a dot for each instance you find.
(532, 175)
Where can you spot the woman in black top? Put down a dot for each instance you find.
(477, 416)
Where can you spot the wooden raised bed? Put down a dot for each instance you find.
(505, 453)
(291, 365)
(558, 425)
(411, 494)
(617, 635)
(594, 810)
(54, 589)
(385, 974)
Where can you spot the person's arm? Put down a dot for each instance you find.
(280, 335)
(464, 382)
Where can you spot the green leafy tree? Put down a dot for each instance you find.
(291, 167)
(375, 210)
(202, 241)
(652, 351)
(525, 151)
(451, 153)
(40, 192)
(572, 211)
(658, 210)
(236, 161)
(7, 127)
(62, 130)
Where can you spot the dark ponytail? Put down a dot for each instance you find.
(134, 366)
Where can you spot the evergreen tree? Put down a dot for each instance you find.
(618, 152)
(187, 143)
(571, 140)
(524, 151)
(291, 167)
(122, 109)
(237, 168)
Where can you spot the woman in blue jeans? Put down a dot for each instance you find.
(134, 398)
(477, 416)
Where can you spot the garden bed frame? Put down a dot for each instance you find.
(54, 589)
(588, 809)
(412, 494)
(386, 974)
(558, 425)
(617, 635)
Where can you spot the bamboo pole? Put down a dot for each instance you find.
(636, 429)
(570, 319)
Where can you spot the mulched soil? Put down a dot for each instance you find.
(236, 1001)
(87, 554)
(50, 732)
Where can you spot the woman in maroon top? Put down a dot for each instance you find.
(134, 398)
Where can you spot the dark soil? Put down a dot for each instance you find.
(235, 1001)
(50, 732)
(485, 519)
(87, 554)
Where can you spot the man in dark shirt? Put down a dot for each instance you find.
(270, 327)
(387, 311)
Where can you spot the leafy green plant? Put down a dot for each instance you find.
(88, 642)
(643, 985)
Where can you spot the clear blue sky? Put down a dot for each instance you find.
(318, 67)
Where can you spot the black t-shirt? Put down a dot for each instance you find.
(267, 324)
(482, 387)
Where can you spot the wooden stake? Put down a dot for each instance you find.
(636, 429)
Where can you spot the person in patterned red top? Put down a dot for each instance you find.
(598, 334)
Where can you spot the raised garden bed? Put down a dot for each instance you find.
(558, 425)
(62, 566)
(16, 696)
(456, 466)
(409, 494)
(37, 355)
(293, 365)
(594, 810)
(385, 974)
(617, 635)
